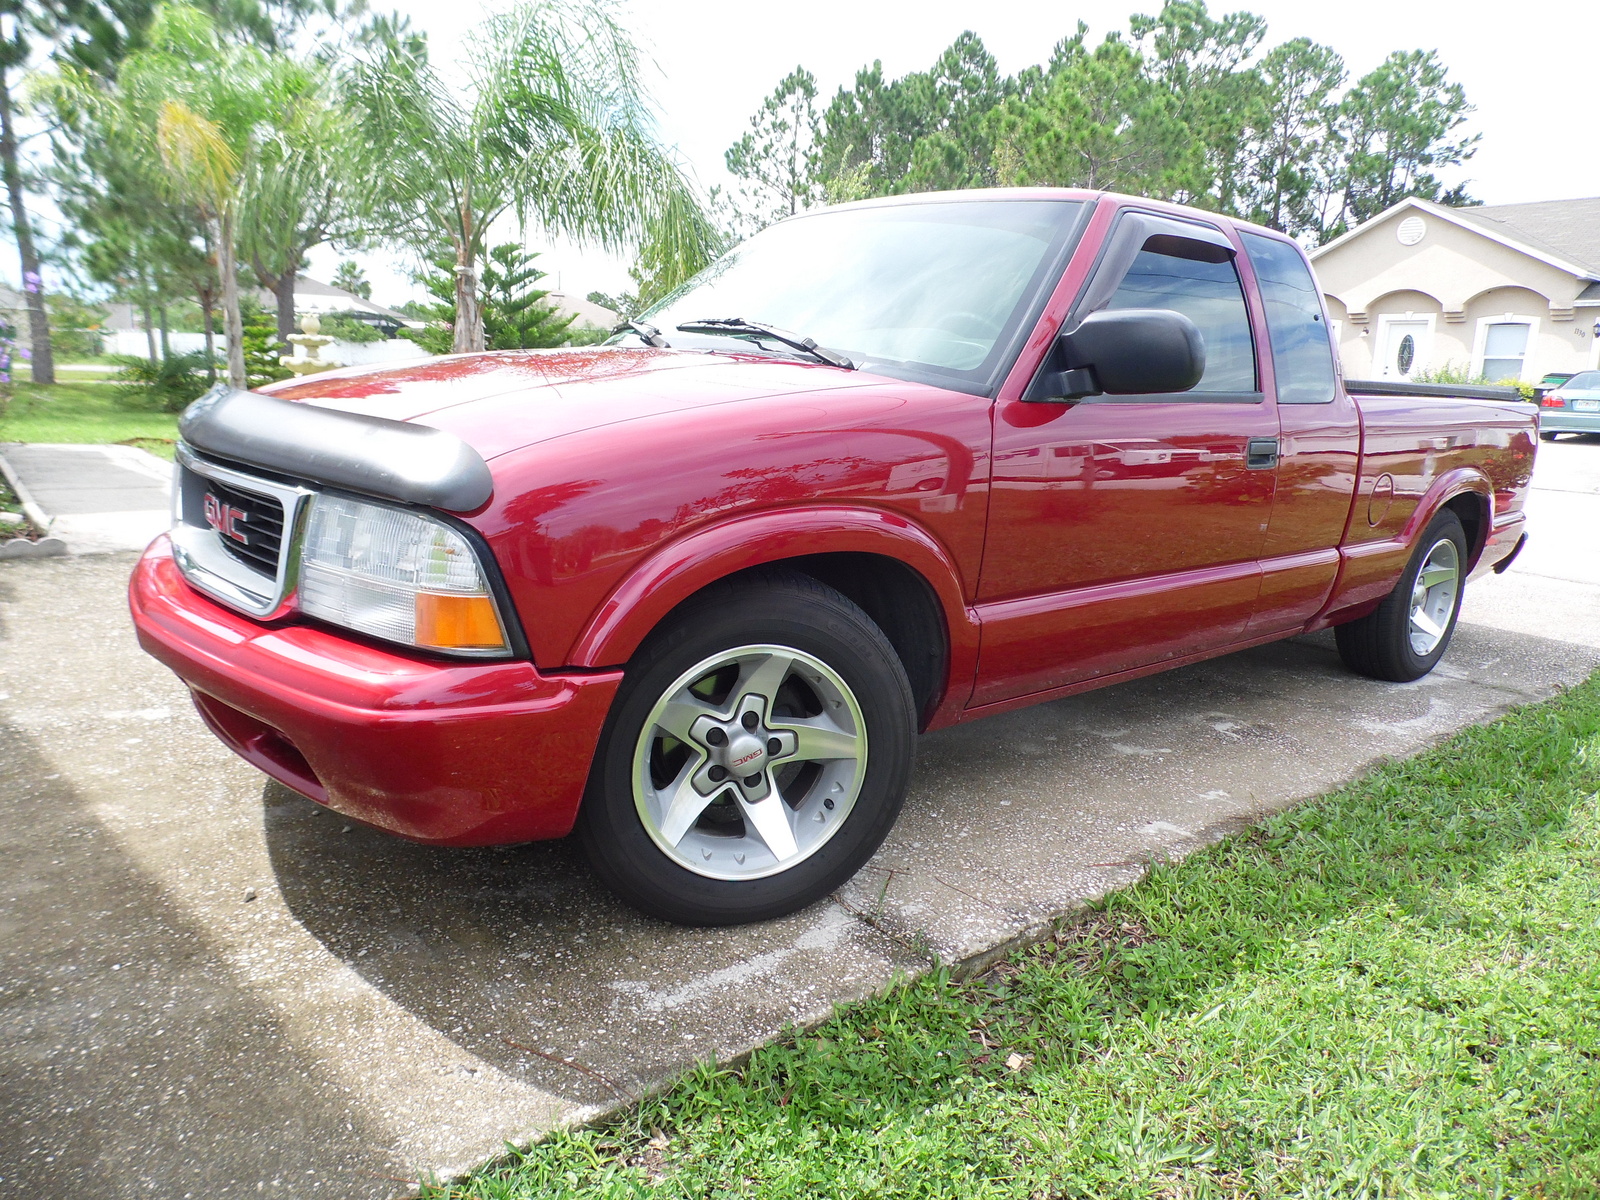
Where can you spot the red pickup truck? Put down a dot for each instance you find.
(880, 469)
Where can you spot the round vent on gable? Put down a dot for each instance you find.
(1411, 231)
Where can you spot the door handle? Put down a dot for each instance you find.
(1261, 454)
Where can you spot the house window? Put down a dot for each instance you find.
(1505, 346)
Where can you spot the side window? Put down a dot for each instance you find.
(1208, 293)
(1302, 353)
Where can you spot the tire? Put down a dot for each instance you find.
(1547, 437)
(773, 673)
(1408, 633)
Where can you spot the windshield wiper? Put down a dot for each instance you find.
(738, 325)
(650, 335)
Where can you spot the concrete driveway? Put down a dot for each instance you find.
(210, 987)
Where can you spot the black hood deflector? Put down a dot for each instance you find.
(392, 460)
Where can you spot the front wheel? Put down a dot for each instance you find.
(757, 754)
(1408, 633)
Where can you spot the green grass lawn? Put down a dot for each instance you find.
(1393, 991)
(83, 412)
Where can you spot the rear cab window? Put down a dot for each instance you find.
(1302, 351)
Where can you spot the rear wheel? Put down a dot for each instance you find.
(1406, 635)
(757, 754)
(1547, 435)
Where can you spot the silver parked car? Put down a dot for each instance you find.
(1574, 407)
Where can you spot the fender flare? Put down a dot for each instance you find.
(1365, 568)
(1460, 481)
(681, 568)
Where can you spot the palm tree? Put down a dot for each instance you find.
(553, 126)
(203, 104)
(207, 127)
(298, 190)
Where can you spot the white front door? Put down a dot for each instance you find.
(1405, 348)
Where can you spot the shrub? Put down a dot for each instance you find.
(75, 327)
(163, 384)
(349, 328)
(434, 338)
(1448, 373)
(1451, 373)
(586, 335)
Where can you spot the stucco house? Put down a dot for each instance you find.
(1503, 291)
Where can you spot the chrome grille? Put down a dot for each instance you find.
(248, 526)
(229, 532)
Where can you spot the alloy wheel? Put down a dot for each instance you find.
(749, 762)
(1433, 597)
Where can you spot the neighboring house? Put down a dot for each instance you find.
(586, 311)
(14, 310)
(1503, 291)
(314, 296)
(125, 331)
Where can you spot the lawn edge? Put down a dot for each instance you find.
(37, 517)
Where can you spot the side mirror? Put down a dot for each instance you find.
(1123, 352)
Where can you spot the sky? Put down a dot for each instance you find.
(1528, 68)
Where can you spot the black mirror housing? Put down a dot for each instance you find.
(1124, 352)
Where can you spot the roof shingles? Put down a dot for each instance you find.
(1568, 229)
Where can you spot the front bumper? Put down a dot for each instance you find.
(452, 753)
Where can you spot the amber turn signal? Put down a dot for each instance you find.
(455, 622)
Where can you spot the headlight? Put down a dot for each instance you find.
(397, 575)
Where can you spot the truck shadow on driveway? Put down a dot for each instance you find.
(522, 959)
(130, 1059)
(505, 950)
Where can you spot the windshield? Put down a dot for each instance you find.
(935, 292)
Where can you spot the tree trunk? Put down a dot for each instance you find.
(166, 340)
(44, 362)
(469, 316)
(211, 336)
(283, 289)
(149, 325)
(233, 324)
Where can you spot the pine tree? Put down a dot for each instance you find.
(513, 317)
(352, 279)
(261, 346)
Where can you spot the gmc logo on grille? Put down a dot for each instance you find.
(227, 520)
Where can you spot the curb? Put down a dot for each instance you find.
(45, 547)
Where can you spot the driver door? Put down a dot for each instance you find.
(1125, 531)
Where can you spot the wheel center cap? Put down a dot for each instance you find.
(746, 755)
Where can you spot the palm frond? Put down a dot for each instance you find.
(555, 124)
(196, 152)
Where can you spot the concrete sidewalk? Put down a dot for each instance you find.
(211, 987)
(98, 499)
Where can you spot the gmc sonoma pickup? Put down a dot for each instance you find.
(880, 469)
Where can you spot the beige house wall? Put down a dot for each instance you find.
(1459, 279)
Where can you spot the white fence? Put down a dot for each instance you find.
(133, 342)
(361, 354)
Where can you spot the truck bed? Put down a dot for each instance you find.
(1445, 391)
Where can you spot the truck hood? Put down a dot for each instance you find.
(502, 401)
